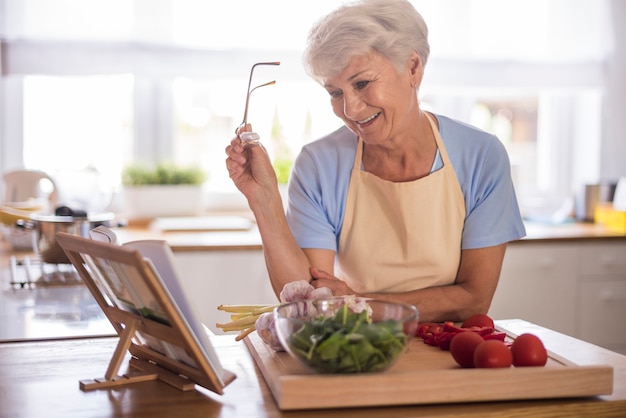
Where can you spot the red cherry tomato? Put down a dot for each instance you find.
(528, 351)
(492, 353)
(478, 320)
(462, 347)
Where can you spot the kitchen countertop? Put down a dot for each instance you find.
(41, 379)
(251, 240)
(196, 240)
(569, 231)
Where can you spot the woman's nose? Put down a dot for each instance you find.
(352, 106)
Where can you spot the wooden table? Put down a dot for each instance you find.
(40, 379)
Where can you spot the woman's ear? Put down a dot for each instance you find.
(416, 70)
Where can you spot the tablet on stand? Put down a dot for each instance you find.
(139, 292)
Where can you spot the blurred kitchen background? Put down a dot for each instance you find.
(97, 84)
(88, 87)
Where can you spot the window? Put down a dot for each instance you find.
(78, 122)
(514, 122)
(105, 82)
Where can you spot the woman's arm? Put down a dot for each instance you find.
(251, 170)
(472, 292)
(285, 260)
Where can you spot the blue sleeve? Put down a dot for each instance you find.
(493, 215)
(318, 189)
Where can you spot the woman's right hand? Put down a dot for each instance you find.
(251, 169)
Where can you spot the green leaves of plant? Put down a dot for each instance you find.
(139, 175)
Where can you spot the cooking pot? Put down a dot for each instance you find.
(19, 238)
(45, 228)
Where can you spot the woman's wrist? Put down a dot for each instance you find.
(266, 205)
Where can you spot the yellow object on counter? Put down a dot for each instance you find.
(9, 216)
(11, 212)
(610, 217)
(19, 239)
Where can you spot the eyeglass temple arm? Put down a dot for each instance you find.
(245, 113)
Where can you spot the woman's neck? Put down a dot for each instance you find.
(403, 159)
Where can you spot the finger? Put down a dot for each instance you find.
(319, 274)
(317, 283)
(235, 145)
(230, 150)
(236, 154)
(231, 167)
(236, 163)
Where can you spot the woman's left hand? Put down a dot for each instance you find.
(323, 279)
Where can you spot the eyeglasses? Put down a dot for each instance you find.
(252, 137)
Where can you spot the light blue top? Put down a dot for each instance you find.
(321, 174)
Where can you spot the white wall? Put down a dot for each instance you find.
(613, 153)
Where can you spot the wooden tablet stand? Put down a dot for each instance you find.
(163, 337)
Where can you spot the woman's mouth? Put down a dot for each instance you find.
(367, 120)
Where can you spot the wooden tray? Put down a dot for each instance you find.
(423, 375)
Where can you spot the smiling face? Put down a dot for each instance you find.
(374, 100)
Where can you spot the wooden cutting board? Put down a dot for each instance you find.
(423, 375)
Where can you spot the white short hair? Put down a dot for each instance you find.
(392, 28)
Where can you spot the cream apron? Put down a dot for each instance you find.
(401, 236)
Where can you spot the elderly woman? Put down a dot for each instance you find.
(399, 204)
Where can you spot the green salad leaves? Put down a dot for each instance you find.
(348, 342)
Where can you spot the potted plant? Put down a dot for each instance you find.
(162, 190)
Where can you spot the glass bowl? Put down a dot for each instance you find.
(345, 334)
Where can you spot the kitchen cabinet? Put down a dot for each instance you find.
(577, 287)
(229, 277)
(602, 295)
(537, 284)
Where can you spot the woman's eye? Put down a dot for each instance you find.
(360, 85)
(335, 93)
